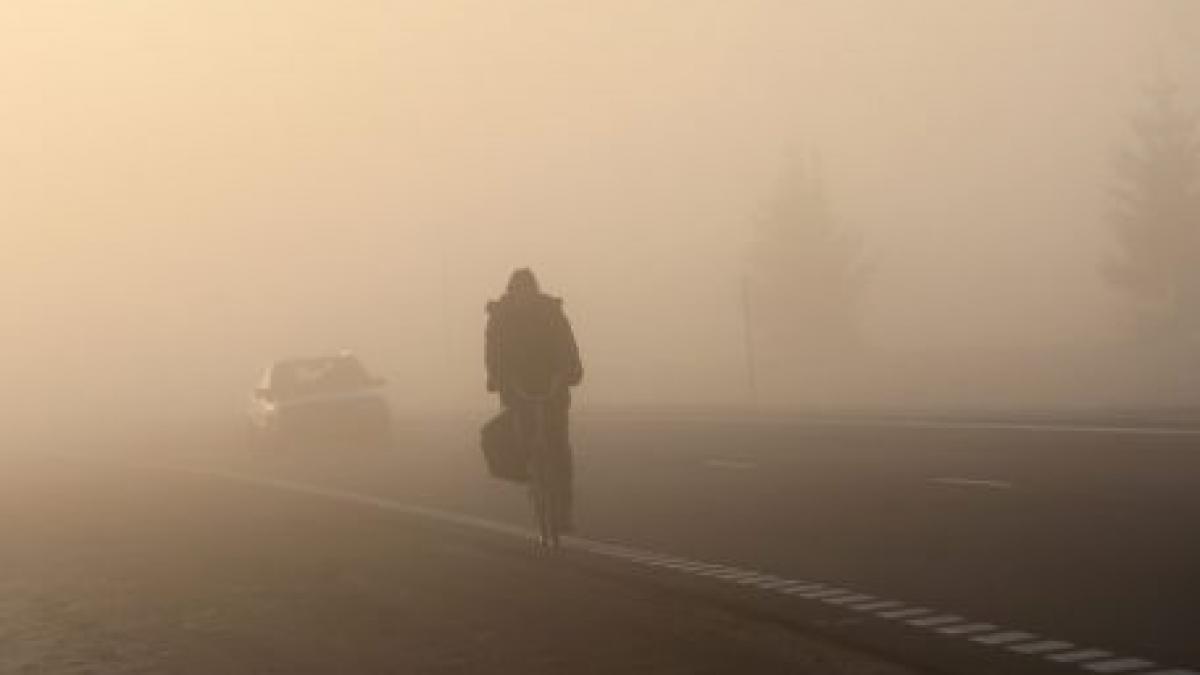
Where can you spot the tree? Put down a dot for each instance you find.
(805, 278)
(1156, 219)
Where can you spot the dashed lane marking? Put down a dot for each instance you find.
(700, 567)
(818, 593)
(800, 586)
(755, 578)
(840, 596)
(1080, 655)
(876, 605)
(1042, 647)
(967, 629)
(946, 626)
(1119, 665)
(775, 585)
(731, 575)
(850, 599)
(755, 581)
(904, 613)
(804, 588)
(934, 621)
(1003, 638)
(826, 595)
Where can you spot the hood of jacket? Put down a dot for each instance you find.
(533, 303)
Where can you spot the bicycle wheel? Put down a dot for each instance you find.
(553, 508)
(539, 498)
(541, 487)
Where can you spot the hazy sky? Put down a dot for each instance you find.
(194, 188)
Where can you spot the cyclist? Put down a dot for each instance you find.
(532, 361)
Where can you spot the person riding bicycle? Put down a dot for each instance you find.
(532, 359)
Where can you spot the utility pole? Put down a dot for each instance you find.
(748, 340)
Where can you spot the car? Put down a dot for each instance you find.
(322, 400)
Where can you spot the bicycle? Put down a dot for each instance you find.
(546, 494)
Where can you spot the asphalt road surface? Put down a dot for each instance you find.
(971, 548)
(952, 547)
(110, 563)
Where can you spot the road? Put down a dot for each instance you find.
(1072, 546)
(118, 566)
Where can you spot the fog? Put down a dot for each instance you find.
(192, 190)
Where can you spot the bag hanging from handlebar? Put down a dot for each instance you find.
(506, 456)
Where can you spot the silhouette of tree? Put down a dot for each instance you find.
(1156, 218)
(806, 276)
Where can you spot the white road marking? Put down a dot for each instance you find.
(643, 559)
(801, 589)
(647, 559)
(877, 605)
(844, 595)
(755, 580)
(1004, 638)
(1042, 647)
(730, 574)
(1119, 665)
(821, 595)
(683, 565)
(967, 629)
(852, 598)
(776, 585)
(933, 621)
(676, 565)
(730, 464)
(702, 567)
(904, 613)
(973, 482)
(1056, 650)
(1080, 655)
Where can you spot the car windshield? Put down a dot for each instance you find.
(308, 377)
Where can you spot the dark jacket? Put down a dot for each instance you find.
(528, 342)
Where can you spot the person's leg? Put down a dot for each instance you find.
(524, 421)
(561, 461)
